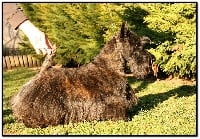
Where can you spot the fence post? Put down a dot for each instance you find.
(25, 60)
(30, 63)
(12, 61)
(4, 63)
(17, 64)
(8, 62)
(21, 61)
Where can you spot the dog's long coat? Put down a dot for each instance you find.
(96, 91)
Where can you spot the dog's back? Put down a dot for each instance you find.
(95, 91)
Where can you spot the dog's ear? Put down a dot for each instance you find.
(124, 30)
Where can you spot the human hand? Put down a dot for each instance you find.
(37, 38)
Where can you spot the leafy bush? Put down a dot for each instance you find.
(81, 29)
(178, 55)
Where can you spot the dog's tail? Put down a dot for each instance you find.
(48, 62)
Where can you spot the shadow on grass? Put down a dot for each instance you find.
(150, 101)
(7, 113)
(144, 83)
(7, 117)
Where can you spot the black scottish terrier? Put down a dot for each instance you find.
(98, 90)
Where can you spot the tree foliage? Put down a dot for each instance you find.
(177, 55)
(80, 30)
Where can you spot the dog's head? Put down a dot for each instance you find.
(138, 61)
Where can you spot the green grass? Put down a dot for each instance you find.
(164, 108)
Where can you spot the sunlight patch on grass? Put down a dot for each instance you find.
(164, 108)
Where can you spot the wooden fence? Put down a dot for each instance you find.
(10, 62)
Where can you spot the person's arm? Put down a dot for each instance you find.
(14, 15)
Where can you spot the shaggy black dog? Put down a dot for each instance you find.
(96, 91)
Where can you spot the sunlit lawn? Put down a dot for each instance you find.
(164, 108)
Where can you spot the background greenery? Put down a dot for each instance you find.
(164, 108)
(80, 30)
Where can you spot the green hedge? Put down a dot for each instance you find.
(81, 29)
